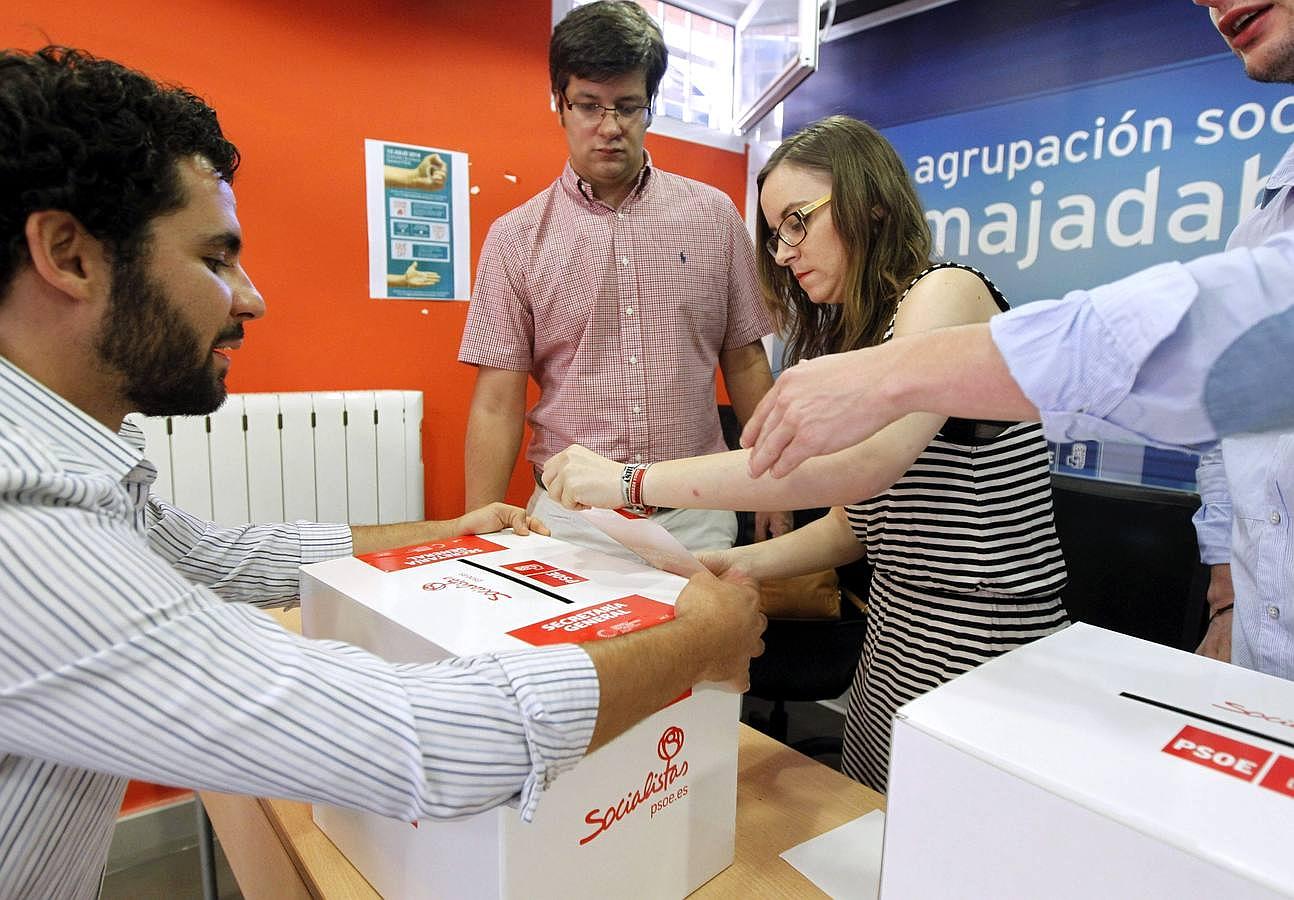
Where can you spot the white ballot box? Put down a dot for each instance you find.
(651, 814)
(1091, 764)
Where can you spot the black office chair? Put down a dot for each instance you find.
(804, 659)
(1133, 559)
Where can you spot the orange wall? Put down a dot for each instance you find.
(298, 88)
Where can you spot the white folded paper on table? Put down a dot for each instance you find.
(845, 863)
(644, 537)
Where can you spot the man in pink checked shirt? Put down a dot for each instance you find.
(619, 288)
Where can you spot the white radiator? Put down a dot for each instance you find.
(352, 456)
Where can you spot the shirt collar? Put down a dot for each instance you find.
(576, 185)
(73, 437)
(1283, 174)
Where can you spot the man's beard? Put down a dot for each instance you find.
(155, 351)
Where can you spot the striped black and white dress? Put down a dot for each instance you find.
(966, 566)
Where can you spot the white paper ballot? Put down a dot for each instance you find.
(845, 863)
(644, 537)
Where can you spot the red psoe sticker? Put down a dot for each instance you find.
(1280, 777)
(544, 573)
(597, 622)
(1221, 754)
(424, 554)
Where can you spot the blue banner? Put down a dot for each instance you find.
(1072, 189)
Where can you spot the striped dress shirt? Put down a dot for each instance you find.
(121, 656)
(1245, 485)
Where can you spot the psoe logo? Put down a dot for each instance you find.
(1237, 707)
(489, 593)
(655, 783)
(617, 628)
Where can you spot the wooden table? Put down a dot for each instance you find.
(783, 799)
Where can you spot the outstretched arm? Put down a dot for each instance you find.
(487, 519)
(854, 471)
(1177, 355)
(430, 174)
(824, 543)
(578, 478)
(834, 401)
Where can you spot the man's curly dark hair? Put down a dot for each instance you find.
(98, 140)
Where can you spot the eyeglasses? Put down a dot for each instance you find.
(793, 229)
(593, 113)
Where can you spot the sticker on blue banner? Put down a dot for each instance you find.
(1080, 458)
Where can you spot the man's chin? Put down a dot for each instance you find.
(1270, 65)
(610, 168)
(199, 402)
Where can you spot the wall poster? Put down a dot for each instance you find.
(418, 231)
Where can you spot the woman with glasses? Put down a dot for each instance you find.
(954, 516)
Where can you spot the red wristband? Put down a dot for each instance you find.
(636, 486)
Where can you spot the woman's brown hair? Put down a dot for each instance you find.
(880, 222)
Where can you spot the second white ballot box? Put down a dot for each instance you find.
(651, 814)
(1091, 764)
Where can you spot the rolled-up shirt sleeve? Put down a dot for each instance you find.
(556, 701)
(1212, 520)
(1176, 355)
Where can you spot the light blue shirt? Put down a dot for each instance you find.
(122, 657)
(1179, 355)
(1245, 485)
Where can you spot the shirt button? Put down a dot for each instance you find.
(624, 260)
(638, 457)
(629, 311)
(633, 360)
(637, 409)
(1273, 612)
(620, 215)
(1274, 518)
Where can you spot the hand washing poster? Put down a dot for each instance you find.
(418, 231)
(1076, 188)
